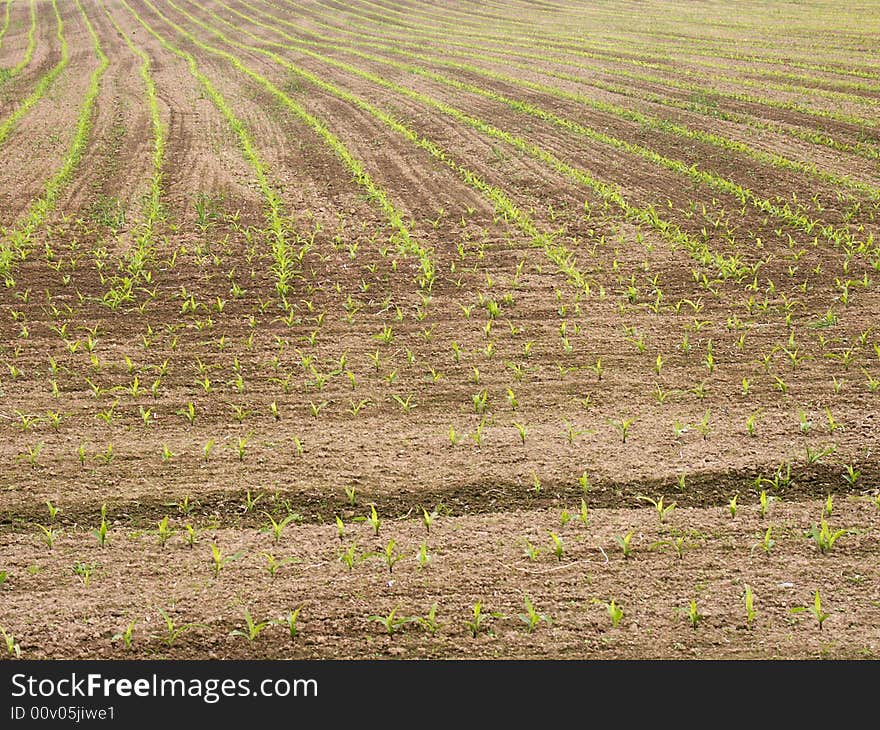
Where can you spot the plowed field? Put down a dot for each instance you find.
(497, 329)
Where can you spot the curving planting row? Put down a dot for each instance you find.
(16, 242)
(402, 236)
(43, 84)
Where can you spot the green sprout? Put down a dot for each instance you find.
(252, 628)
(531, 618)
(815, 609)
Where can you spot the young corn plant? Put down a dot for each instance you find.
(291, 621)
(84, 571)
(172, 631)
(824, 537)
(851, 475)
(662, 509)
(53, 511)
(277, 527)
(584, 483)
(678, 544)
(480, 619)
(350, 556)
(126, 636)
(625, 542)
(48, 535)
(220, 561)
(428, 518)
(12, 647)
(390, 556)
(732, 506)
(101, 532)
(274, 565)
(558, 546)
(693, 614)
(749, 600)
(392, 623)
(815, 609)
(373, 519)
(422, 556)
(615, 612)
(623, 426)
(583, 514)
(766, 543)
(764, 502)
(531, 618)
(531, 551)
(429, 621)
(252, 628)
(250, 501)
(828, 507)
(163, 532)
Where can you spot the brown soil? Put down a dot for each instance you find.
(303, 410)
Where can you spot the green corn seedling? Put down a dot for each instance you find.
(172, 631)
(48, 536)
(583, 514)
(584, 483)
(274, 565)
(252, 628)
(126, 635)
(374, 520)
(815, 609)
(693, 614)
(749, 599)
(531, 551)
(101, 533)
(392, 622)
(219, 561)
(531, 618)
(12, 647)
(164, 532)
(851, 475)
(662, 510)
(767, 542)
(625, 542)
(250, 501)
(291, 621)
(824, 537)
(84, 571)
(429, 622)
(349, 557)
(479, 620)
(391, 558)
(276, 528)
(428, 518)
(678, 544)
(422, 556)
(615, 612)
(558, 547)
(623, 426)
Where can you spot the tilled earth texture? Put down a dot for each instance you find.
(439, 329)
